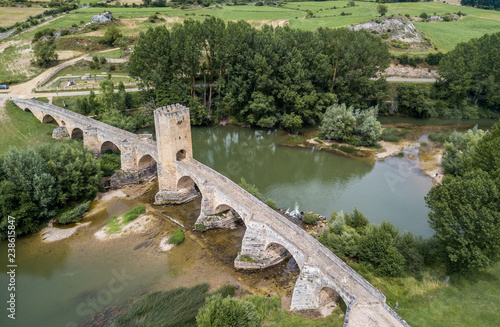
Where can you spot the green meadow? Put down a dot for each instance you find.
(22, 129)
(445, 35)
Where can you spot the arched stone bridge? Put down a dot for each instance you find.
(268, 234)
(138, 152)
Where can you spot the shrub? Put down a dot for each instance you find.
(250, 188)
(310, 218)
(351, 125)
(200, 228)
(74, 215)
(177, 238)
(271, 204)
(134, 213)
(424, 15)
(219, 311)
(356, 220)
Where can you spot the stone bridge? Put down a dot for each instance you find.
(269, 236)
(138, 153)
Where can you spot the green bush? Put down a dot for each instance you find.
(351, 125)
(382, 248)
(134, 213)
(310, 218)
(74, 215)
(356, 220)
(227, 312)
(200, 228)
(177, 238)
(109, 162)
(271, 204)
(250, 188)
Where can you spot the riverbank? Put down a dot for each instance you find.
(412, 136)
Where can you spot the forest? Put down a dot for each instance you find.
(283, 77)
(483, 4)
(269, 77)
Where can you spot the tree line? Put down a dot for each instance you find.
(269, 77)
(465, 208)
(483, 4)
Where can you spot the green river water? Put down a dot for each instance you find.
(65, 282)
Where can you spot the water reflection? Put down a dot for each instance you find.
(391, 190)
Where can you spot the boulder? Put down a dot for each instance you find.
(102, 18)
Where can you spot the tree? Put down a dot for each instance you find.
(470, 73)
(382, 9)
(291, 122)
(412, 99)
(458, 150)
(227, 312)
(45, 53)
(37, 182)
(487, 153)
(359, 127)
(112, 35)
(465, 214)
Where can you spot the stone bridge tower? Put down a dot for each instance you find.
(173, 137)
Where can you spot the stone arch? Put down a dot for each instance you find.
(146, 166)
(48, 119)
(109, 146)
(181, 154)
(76, 133)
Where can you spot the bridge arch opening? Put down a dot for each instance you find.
(48, 119)
(109, 147)
(329, 300)
(181, 154)
(146, 166)
(276, 253)
(226, 217)
(76, 133)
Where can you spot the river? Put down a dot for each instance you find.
(63, 283)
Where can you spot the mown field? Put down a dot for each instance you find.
(445, 35)
(11, 15)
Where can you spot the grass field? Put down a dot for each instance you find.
(12, 15)
(445, 35)
(15, 66)
(22, 129)
(470, 301)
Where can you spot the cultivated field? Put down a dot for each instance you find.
(11, 15)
